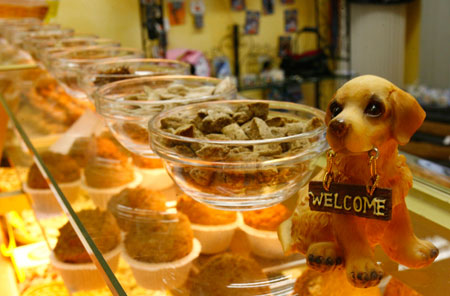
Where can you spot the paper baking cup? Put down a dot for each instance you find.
(159, 180)
(84, 276)
(214, 238)
(263, 243)
(44, 202)
(161, 276)
(155, 179)
(101, 196)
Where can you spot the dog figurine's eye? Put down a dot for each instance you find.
(374, 109)
(335, 109)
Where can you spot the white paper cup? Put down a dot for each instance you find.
(161, 276)
(214, 238)
(44, 202)
(159, 180)
(263, 243)
(101, 196)
(84, 276)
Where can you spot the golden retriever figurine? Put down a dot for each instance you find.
(366, 112)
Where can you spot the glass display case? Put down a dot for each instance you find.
(113, 221)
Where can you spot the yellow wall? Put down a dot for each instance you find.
(115, 19)
(412, 48)
(218, 21)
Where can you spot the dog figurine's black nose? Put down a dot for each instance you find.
(338, 127)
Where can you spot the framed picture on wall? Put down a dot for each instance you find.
(268, 6)
(238, 5)
(290, 20)
(284, 46)
(251, 22)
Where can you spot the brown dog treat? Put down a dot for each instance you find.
(260, 110)
(267, 176)
(294, 128)
(201, 91)
(268, 149)
(177, 89)
(201, 176)
(186, 130)
(172, 122)
(212, 152)
(312, 124)
(257, 129)
(242, 114)
(184, 150)
(278, 132)
(234, 132)
(215, 121)
(276, 121)
(231, 180)
(236, 154)
(298, 145)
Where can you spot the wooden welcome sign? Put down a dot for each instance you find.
(351, 199)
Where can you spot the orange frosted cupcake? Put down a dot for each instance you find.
(261, 229)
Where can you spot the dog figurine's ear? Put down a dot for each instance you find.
(408, 115)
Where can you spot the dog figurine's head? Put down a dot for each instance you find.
(367, 111)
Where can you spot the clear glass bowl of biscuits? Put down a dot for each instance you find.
(99, 74)
(241, 154)
(67, 65)
(128, 105)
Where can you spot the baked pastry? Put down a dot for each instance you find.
(137, 205)
(267, 219)
(102, 228)
(82, 150)
(199, 213)
(166, 240)
(62, 167)
(108, 173)
(221, 272)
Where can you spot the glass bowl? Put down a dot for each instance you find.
(18, 35)
(67, 65)
(128, 105)
(103, 73)
(46, 55)
(230, 171)
(37, 43)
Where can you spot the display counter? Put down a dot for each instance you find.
(106, 220)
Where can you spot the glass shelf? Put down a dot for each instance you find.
(36, 131)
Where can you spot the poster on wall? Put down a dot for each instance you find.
(268, 6)
(237, 5)
(284, 46)
(287, 1)
(251, 22)
(290, 20)
(177, 12)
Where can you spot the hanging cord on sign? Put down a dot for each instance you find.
(330, 177)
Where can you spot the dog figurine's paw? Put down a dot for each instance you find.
(416, 254)
(363, 272)
(324, 256)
